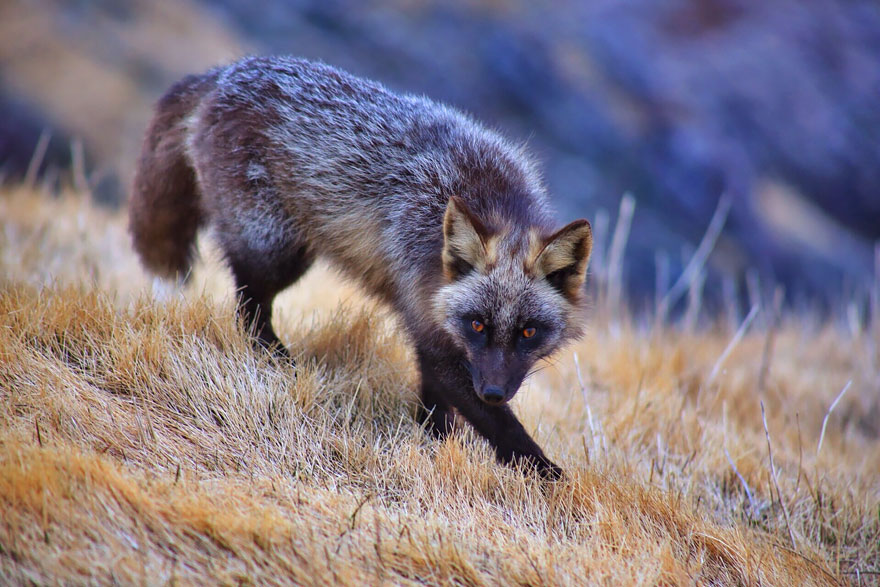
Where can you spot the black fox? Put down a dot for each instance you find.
(441, 218)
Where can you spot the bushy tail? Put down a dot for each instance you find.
(165, 211)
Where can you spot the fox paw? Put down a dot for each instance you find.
(540, 464)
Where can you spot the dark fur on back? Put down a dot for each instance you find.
(288, 160)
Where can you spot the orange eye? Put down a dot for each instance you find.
(478, 326)
(529, 332)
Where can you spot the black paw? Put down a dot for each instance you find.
(280, 352)
(274, 347)
(551, 471)
(547, 469)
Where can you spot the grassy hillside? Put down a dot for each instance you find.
(147, 443)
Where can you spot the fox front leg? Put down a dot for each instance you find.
(506, 434)
(446, 383)
(434, 412)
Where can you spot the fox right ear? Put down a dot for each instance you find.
(465, 241)
(563, 259)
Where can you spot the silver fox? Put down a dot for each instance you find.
(441, 218)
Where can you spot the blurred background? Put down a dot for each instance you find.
(775, 104)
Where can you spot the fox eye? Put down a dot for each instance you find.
(478, 326)
(529, 332)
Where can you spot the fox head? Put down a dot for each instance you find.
(512, 295)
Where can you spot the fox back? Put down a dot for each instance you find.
(446, 221)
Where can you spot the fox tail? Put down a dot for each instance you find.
(165, 209)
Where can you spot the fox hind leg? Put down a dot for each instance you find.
(263, 264)
(258, 283)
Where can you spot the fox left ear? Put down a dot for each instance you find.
(465, 241)
(564, 258)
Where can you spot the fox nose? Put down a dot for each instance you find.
(493, 394)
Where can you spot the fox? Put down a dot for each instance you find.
(287, 160)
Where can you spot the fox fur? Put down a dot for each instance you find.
(446, 221)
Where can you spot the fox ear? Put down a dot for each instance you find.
(564, 258)
(465, 241)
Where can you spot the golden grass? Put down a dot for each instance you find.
(148, 443)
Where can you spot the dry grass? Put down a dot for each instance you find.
(147, 443)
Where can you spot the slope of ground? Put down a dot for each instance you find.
(144, 443)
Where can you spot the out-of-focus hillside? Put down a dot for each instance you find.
(774, 104)
(92, 71)
(148, 443)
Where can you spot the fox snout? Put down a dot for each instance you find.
(496, 377)
(496, 395)
(493, 395)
